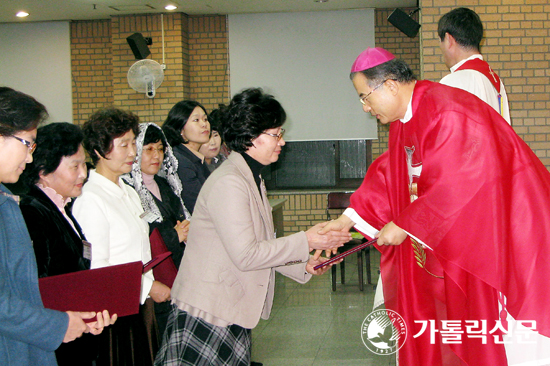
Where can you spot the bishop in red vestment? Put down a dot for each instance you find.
(463, 209)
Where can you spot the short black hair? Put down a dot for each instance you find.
(53, 142)
(177, 118)
(214, 119)
(249, 113)
(103, 127)
(19, 112)
(464, 25)
(395, 69)
(154, 135)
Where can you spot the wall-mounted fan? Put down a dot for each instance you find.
(145, 76)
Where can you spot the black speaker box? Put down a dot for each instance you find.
(399, 19)
(139, 47)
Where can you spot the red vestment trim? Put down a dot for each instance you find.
(484, 68)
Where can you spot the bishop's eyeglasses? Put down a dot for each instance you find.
(364, 99)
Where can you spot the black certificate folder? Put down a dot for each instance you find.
(114, 288)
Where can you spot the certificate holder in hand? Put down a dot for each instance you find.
(115, 288)
(345, 254)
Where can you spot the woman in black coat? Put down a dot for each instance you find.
(55, 176)
(187, 129)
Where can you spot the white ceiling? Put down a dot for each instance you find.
(49, 10)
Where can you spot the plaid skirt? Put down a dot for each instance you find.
(192, 341)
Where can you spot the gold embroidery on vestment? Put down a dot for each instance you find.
(420, 256)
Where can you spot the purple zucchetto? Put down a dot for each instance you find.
(371, 57)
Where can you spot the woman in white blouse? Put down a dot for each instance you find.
(111, 217)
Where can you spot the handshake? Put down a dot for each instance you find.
(327, 236)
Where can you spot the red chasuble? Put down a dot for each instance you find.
(483, 208)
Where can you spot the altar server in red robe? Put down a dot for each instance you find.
(461, 209)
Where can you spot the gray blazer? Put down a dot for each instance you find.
(228, 269)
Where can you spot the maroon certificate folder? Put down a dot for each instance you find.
(346, 253)
(153, 263)
(166, 271)
(114, 288)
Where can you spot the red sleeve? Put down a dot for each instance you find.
(371, 199)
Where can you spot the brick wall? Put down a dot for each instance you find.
(176, 77)
(91, 67)
(408, 49)
(303, 210)
(209, 60)
(195, 55)
(516, 45)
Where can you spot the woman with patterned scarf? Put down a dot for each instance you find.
(155, 179)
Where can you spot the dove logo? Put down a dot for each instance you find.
(383, 332)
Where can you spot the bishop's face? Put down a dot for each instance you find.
(380, 101)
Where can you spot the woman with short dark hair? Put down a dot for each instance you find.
(29, 333)
(186, 129)
(54, 178)
(57, 140)
(103, 127)
(110, 214)
(226, 280)
(215, 152)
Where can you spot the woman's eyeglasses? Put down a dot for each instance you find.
(151, 150)
(30, 145)
(279, 135)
